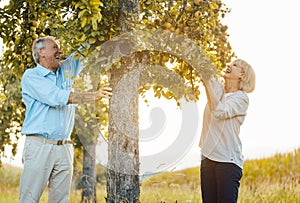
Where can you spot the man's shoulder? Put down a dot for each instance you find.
(38, 70)
(30, 71)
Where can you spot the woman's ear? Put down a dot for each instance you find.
(242, 76)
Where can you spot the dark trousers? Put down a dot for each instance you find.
(219, 181)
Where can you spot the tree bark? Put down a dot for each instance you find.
(88, 179)
(123, 147)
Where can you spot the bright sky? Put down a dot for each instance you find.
(266, 35)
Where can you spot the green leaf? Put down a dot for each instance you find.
(3, 97)
(213, 6)
(95, 24)
(92, 40)
(81, 13)
(83, 22)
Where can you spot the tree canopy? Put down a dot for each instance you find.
(75, 23)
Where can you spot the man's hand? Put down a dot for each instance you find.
(103, 92)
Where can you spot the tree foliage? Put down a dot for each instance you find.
(75, 23)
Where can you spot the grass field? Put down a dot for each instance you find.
(271, 180)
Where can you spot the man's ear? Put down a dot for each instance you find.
(41, 53)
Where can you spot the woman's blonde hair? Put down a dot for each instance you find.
(247, 83)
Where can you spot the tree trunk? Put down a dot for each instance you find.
(123, 147)
(88, 179)
(123, 141)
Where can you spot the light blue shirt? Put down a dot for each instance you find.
(46, 95)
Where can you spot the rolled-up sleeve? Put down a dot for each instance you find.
(43, 90)
(232, 106)
(214, 91)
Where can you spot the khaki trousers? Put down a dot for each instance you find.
(46, 163)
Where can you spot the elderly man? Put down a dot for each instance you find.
(49, 120)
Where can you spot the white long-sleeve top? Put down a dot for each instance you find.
(223, 116)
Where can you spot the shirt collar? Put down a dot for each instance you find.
(232, 93)
(44, 71)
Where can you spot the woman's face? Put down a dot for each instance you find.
(233, 71)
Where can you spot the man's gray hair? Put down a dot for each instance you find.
(39, 43)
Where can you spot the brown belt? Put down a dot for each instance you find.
(55, 142)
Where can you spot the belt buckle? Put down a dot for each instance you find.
(59, 142)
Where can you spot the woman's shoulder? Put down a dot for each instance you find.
(242, 95)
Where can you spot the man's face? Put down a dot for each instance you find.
(50, 55)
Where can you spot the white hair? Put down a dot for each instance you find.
(39, 44)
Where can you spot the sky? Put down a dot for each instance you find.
(266, 35)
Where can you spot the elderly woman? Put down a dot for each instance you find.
(221, 147)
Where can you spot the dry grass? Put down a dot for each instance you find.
(275, 179)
